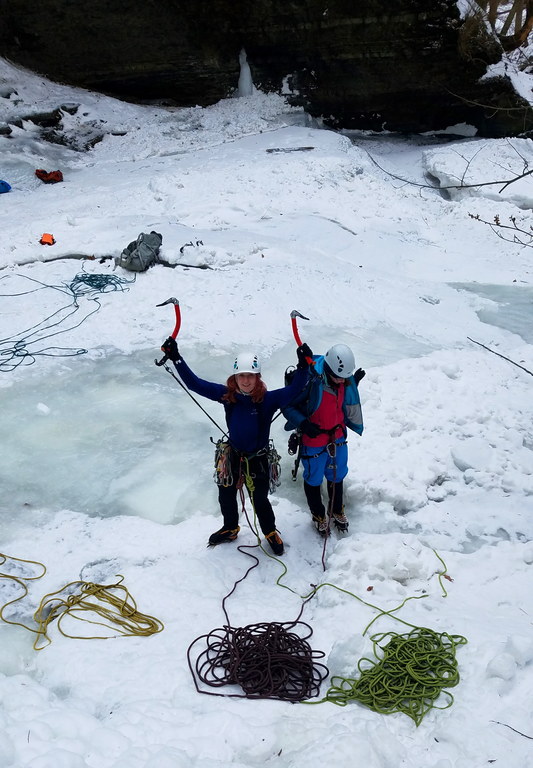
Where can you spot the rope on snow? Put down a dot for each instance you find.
(17, 349)
(408, 674)
(268, 660)
(112, 603)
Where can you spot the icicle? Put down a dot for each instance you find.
(245, 86)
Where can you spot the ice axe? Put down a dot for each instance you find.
(177, 326)
(294, 315)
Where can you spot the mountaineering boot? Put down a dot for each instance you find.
(222, 535)
(341, 521)
(321, 525)
(276, 542)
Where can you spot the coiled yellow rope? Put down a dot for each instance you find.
(113, 603)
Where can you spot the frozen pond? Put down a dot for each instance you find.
(105, 438)
(119, 436)
(514, 310)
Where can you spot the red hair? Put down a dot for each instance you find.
(257, 394)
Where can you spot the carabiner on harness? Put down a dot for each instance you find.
(274, 467)
(223, 474)
(293, 444)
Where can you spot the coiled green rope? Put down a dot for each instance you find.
(408, 675)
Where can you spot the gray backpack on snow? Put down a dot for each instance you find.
(141, 253)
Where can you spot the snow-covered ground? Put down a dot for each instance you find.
(107, 464)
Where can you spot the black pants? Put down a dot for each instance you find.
(314, 498)
(227, 496)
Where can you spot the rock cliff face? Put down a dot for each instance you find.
(407, 65)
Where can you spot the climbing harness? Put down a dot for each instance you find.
(274, 467)
(329, 448)
(112, 603)
(223, 475)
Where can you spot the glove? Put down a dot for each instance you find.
(170, 348)
(358, 375)
(310, 429)
(302, 353)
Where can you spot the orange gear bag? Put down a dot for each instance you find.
(51, 177)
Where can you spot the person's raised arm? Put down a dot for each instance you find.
(208, 389)
(288, 394)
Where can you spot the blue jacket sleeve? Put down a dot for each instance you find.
(294, 415)
(208, 389)
(281, 398)
(299, 407)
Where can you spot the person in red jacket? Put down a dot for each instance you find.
(322, 414)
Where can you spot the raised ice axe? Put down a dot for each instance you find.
(294, 315)
(177, 326)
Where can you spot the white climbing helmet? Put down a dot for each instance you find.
(340, 360)
(246, 362)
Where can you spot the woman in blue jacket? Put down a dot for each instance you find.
(249, 411)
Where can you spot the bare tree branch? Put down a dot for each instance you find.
(514, 15)
(505, 182)
(520, 236)
(498, 8)
(511, 42)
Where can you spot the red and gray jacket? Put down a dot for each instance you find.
(308, 402)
